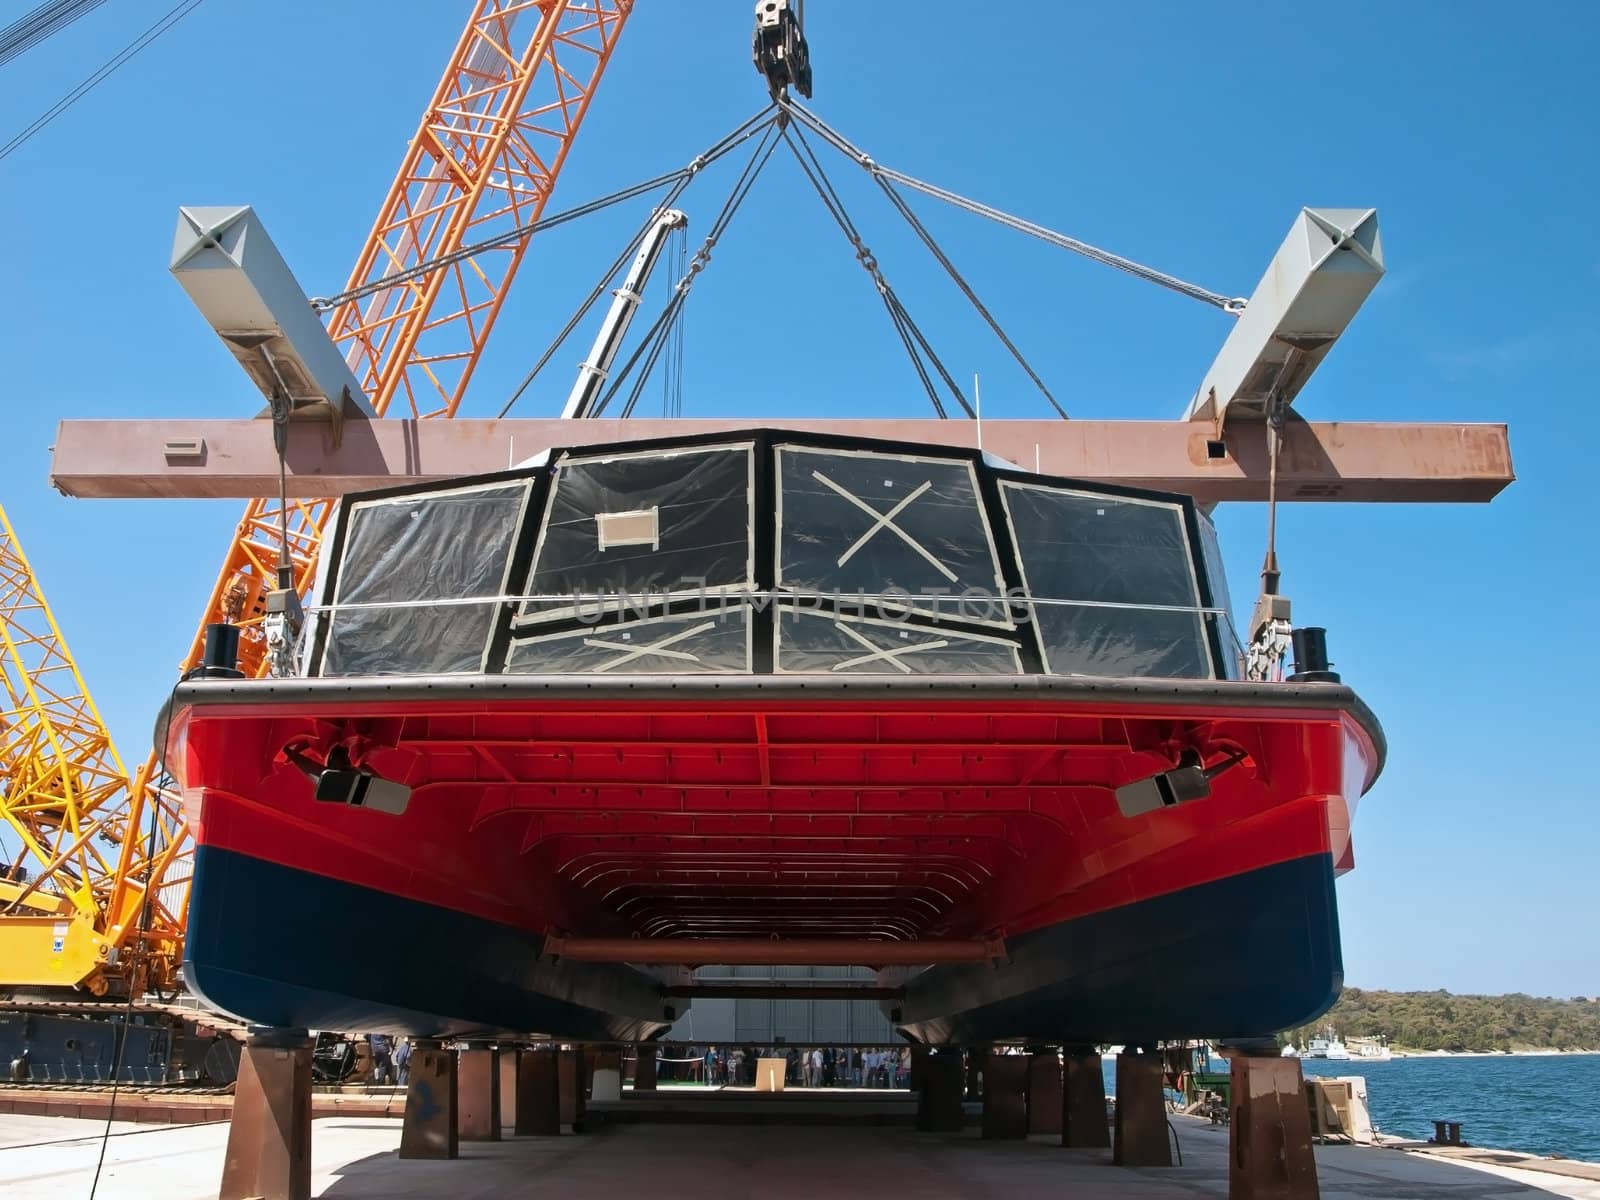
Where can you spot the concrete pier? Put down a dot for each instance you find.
(50, 1158)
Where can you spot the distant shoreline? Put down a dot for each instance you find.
(1423, 1024)
(1536, 1053)
(1394, 1054)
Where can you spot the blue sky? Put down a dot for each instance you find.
(1186, 136)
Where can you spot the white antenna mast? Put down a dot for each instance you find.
(977, 408)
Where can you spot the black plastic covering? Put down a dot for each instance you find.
(398, 555)
(698, 502)
(716, 641)
(814, 642)
(1219, 623)
(778, 553)
(1113, 583)
(854, 522)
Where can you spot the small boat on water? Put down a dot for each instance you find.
(1326, 1045)
(1369, 1049)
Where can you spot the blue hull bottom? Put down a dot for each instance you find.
(291, 949)
(1242, 957)
(1239, 958)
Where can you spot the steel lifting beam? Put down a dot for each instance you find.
(1334, 460)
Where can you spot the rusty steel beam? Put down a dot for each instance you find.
(773, 952)
(797, 990)
(1333, 460)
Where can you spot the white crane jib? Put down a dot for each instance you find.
(624, 303)
(1325, 269)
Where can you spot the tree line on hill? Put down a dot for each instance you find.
(1442, 1021)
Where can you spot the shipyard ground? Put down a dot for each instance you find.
(356, 1157)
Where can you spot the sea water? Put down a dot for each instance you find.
(1536, 1103)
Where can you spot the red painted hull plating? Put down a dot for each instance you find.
(773, 815)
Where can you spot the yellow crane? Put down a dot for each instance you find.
(72, 869)
(85, 842)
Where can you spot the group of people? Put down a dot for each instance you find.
(391, 1059)
(812, 1067)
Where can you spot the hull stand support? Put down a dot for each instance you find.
(538, 1094)
(1044, 1090)
(1141, 1124)
(644, 1068)
(939, 1092)
(269, 1135)
(572, 1067)
(509, 1057)
(478, 1089)
(1083, 1099)
(432, 1100)
(1269, 1133)
(1005, 1096)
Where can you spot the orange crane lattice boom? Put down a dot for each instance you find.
(481, 165)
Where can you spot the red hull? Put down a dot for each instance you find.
(773, 808)
(774, 814)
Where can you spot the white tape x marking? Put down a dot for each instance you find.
(885, 521)
(890, 655)
(629, 653)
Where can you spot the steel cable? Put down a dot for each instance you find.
(681, 178)
(120, 1042)
(28, 30)
(746, 128)
(910, 333)
(938, 253)
(870, 263)
(1232, 305)
(172, 17)
(652, 342)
